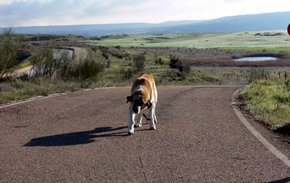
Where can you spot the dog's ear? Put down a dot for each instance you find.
(129, 99)
(149, 104)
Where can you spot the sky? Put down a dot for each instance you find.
(75, 12)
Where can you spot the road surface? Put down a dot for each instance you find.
(82, 137)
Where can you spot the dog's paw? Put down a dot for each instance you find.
(152, 127)
(137, 125)
(130, 133)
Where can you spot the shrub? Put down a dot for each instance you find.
(176, 63)
(86, 69)
(62, 65)
(139, 63)
(43, 63)
(10, 49)
(159, 61)
(127, 73)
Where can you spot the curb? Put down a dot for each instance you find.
(265, 142)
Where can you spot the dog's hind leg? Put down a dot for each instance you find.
(139, 120)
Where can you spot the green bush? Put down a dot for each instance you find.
(139, 63)
(183, 68)
(10, 49)
(159, 61)
(86, 69)
(43, 62)
(128, 73)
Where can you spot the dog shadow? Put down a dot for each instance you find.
(77, 138)
(285, 180)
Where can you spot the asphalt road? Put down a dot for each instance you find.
(82, 137)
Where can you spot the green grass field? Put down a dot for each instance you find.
(260, 40)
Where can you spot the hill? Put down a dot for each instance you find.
(257, 22)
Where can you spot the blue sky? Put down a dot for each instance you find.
(69, 12)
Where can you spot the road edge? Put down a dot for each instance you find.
(257, 134)
(13, 103)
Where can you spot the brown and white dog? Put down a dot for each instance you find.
(143, 96)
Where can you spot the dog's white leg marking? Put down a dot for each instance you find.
(155, 118)
(152, 121)
(131, 121)
(139, 120)
(155, 101)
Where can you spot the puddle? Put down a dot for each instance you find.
(255, 59)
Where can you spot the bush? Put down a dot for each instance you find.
(159, 61)
(139, 63)
(127, 73)
(10, 49)
(86, 69)
(43, 63)
(63, 67)
(176, 63)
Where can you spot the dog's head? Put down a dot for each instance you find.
(139, 101)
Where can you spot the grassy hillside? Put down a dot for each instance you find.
(269, 40)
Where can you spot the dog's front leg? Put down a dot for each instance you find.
(153, 117)
(139, 120)
(131, 121)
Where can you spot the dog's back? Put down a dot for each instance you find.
(146, 83)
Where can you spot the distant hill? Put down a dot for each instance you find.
(257, 22)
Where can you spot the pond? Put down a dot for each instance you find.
(256, 58)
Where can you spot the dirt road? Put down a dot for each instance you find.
(82, 137)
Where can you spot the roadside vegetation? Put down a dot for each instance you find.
(11, 48)
(269, 101)
(103, 66)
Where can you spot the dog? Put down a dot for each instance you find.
(143, 96)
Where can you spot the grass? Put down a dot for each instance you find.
(121, 73)
(16, 89)
(259, 40)
(271, 49)
(118, 64)
(269, 101)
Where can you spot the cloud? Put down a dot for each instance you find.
(64, 12)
